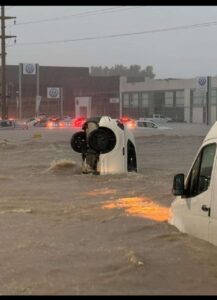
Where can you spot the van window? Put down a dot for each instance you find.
(201, 172)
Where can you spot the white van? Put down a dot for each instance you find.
(194, 209)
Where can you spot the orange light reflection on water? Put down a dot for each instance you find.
(140, 207)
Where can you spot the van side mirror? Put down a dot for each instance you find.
(178, 185)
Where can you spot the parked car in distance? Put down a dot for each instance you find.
(41, 123)
(67, 121)
(54, 123)
(158, 118)
(7, 124)
(129, 122)
(32, 121)
(12, 124)
(21, 125)
(148, 124)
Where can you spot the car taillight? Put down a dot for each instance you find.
(131, 124)
(79, 122)
(128, 122)
(124, 119)
(50, 124)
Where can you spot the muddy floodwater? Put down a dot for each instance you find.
(63, 232)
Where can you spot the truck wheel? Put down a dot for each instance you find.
(102, 140)
(78, 142)
(131, 157)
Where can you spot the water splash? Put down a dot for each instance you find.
(64, 164)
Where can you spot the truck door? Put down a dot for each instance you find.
(197, 211)
(213, 212)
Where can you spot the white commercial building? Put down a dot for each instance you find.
(180, 99)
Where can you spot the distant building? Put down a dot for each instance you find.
(175, 98)
(135, 97)
(74, 81)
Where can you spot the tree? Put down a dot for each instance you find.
(120, 70)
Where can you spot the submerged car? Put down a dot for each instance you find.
(106, 146)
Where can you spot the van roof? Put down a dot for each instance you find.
(212, 133)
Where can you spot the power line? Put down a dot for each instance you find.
(84, 14)
(192, 26)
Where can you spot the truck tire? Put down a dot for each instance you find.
(102, 140)
(78, 142)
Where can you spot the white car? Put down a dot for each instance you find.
(32, 121)
(159, 118)
(106, 145)
(148, 124)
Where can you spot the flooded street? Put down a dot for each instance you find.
(63, 232)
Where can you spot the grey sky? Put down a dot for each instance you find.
(179, 54)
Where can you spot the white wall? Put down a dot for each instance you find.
(187, 93)
(197, 115)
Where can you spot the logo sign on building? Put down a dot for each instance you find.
(29, 69)
(53, 93)
(201, 83)
(114, 100)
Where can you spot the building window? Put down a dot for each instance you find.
(180, 98)
(135, 100)
(126, 99)
(213, 97)
(198, 98)
(144, 99)
(168, 99)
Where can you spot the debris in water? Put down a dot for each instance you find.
(37, 136)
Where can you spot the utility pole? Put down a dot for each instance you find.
(3, 62)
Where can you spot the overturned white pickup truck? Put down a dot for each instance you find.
(106, 145)
(194, 209)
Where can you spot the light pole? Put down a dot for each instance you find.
(17, 102)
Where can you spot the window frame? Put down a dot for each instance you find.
(189, 193)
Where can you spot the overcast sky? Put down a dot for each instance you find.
(177, 53)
